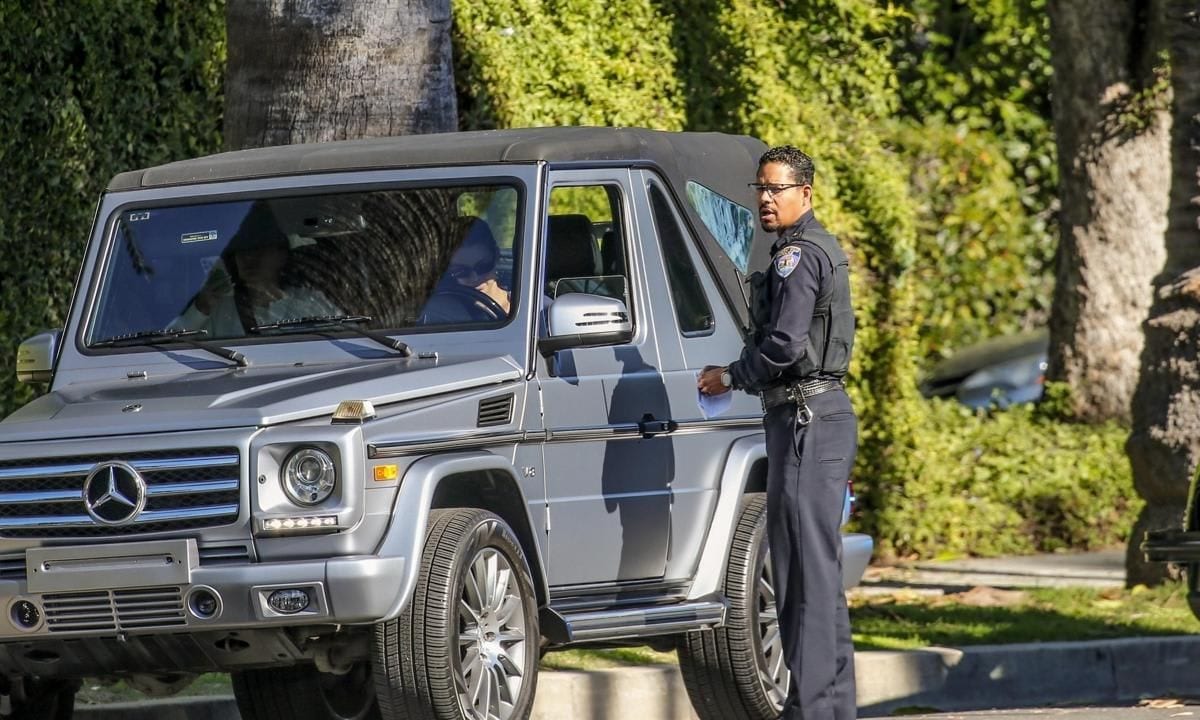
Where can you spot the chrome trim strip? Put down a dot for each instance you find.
(149, 516)
(13, 473)
(185, 488)
(597, 433)
(30, 497)
(624, 431)
(462, 442)
(41, 496)
(738, 422)
(185, 463)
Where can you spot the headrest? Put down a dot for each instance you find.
(572, 250)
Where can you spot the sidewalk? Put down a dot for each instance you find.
(945, 679)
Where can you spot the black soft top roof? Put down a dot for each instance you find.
(723, 163)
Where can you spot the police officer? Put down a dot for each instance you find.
(804, 332)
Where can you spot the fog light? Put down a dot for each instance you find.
(25, 614)
(288, 602)
(204, 604)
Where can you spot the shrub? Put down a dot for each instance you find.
(1008, 482)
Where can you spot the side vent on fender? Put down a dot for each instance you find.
(495, 411)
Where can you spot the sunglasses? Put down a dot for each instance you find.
(772, 190)
(483, 267)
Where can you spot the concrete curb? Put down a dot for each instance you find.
(946, 679)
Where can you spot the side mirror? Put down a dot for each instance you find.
(35, 357)
(583, 320)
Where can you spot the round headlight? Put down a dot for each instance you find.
(309, 476)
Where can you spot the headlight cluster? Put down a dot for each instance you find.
(309, 476)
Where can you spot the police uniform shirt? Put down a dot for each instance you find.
(798, 270)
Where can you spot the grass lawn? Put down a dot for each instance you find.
(903, 620)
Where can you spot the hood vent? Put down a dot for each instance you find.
(495, 411)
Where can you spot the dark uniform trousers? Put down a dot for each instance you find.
(808, 467)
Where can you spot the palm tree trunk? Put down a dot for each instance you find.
(311, 70)
(1164, 446)
(1113, 135)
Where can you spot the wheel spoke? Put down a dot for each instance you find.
(469, 614)
(503, 579)
(490, 560)
(473, 592)
(770, 639)
(510, 607)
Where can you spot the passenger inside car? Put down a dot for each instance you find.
(250, 285)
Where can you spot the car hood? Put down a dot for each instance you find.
(256, 396)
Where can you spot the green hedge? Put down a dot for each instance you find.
(91, 87)
(1010, 482)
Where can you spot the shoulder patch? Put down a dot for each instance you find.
(786, 260)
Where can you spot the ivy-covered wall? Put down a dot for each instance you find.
(89, 88)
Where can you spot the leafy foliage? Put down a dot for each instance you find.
(928, 119)
(974, 85)
(1009, 482)
(91, 88)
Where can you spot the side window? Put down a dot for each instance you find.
(692, 310)
(731, 224)
(585, 242)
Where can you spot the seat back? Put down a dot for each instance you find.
(571, 248)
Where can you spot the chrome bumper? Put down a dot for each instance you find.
(124, 589)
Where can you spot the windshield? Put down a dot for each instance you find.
(403, 259)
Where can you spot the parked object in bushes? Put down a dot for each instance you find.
(372, 489)
(997, 372)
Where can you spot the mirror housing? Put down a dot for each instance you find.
(35, 357)
(583, 320)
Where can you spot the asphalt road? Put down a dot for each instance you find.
(1148, 710)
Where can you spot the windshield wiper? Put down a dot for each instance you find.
(159, 337)
(350, 322)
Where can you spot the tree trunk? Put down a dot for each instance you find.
(1164, 446)
(314, 70)
(1113, 134)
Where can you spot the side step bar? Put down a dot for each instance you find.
(1178, 546)
(634, 622)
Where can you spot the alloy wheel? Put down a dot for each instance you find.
(772, 670)
(491, 638)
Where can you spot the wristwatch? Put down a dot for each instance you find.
(726, 378)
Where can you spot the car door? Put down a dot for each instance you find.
(608, 461)
(694, 329)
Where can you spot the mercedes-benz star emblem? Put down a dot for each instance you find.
(114, 493)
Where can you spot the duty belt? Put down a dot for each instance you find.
(797, 393)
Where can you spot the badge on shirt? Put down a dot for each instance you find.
(787, 260)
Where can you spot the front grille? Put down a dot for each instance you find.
(114, 610)
(12, 567)
(185, 490)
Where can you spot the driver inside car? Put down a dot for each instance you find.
(470, 289)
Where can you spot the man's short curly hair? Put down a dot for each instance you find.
(801, 164)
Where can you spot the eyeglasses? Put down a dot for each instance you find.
(771, 190)
(483, 267)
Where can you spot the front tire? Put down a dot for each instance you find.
(738, 670)
(466, 647)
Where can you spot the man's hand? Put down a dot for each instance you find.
(709, 381)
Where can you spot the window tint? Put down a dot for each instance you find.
(691, 306)
(731, 224)
(585, 244)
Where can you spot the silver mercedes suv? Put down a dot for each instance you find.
(371, 425)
